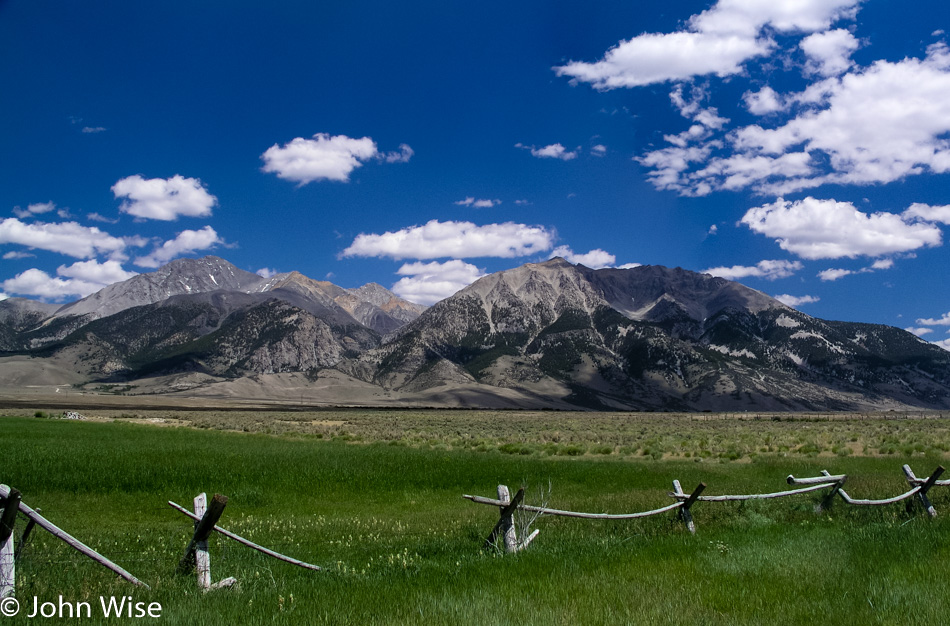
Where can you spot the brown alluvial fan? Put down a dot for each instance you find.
(546, 334)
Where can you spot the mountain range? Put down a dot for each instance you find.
(549, 334)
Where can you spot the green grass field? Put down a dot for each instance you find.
(377, 502)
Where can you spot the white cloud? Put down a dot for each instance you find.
(325, 157)
(95, 217)
(769, 270)
(598, 150)
(553, 151)
(427, 283)
(882, 264)
(401, 156)
(92, 130)
(3, 296)
(876, 124)
(828, 229)
(34, 209)
(437, 239)
(164, 199)
(920, 332)
(834, 274)
(943, 321)
(67, 238)
(629, 266)
(81, 279)
(829, 53)
(478, 204)
(928, 213)
(717, 41)
(763, 101)
(595, 259)
(92, 271)
(795, 301)
(185, 242)
(34, 282)
(945, 344)
(16, 254)
(266, 272)
(655, 58)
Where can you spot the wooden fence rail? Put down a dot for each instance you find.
(196, 556)
(42, 522)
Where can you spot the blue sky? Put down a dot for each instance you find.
(800, 147)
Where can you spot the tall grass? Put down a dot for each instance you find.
(400, 546)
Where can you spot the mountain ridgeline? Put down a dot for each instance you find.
(548, 334)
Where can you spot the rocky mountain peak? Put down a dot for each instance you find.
(179, 277)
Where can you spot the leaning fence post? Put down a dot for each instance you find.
(925, 486)
(203, 528)
(685, 515)
(506, 525)
(11, 506)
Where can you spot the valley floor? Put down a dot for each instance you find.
(375, 497)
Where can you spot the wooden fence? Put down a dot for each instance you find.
(506, 527)
(206, 516)
(196, 554)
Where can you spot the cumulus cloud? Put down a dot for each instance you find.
(769, 270)
(629, 266)
(920, 332)
(882, 264)
(796, 301)
(829, 53)
(927, 213)
(80, 279)
(185, 242)
(553, 151)
(266, 272)
(598, 150)
(941, 321)
(163, 199)
(427, 283)
(326, 157)
(715, 42)
(437, 239)
(16, 254)
(93, 271)
(67, 238)
(763, 101)
(876, 124)
(828, 229)
(478, 204)
(595, 259)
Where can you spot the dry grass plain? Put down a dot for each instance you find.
(700, 437)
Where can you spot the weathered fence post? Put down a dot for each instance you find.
(196, 554)
(506, 524)
(925, 486)
(685, 515)
(11, 505)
